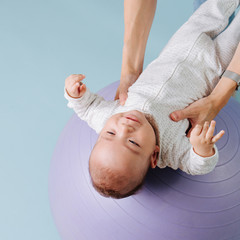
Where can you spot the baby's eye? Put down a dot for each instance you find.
(134, 142)
(110, 132)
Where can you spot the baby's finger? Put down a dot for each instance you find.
(73, 78)
(75, 89)
(196, 130)
(205, 128)
(210, 131)
(218, 136)
(82, 86)
(78, 77)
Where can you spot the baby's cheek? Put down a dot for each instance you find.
(149, 138)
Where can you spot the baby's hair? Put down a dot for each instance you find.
(109, 191)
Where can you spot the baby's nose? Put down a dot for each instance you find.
(127, 127)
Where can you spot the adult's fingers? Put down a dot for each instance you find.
(117, 94)
(123, 97)
(121, 94)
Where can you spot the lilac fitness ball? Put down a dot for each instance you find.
(172, 204)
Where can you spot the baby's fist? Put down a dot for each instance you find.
(74, 87)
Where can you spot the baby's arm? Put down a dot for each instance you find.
(90, 107)
(202, 139)
(198, 155)
(201, 154)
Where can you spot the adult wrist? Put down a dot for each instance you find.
(128, 73)
(132, 61)
(217, 101)
(128, 79)
(233, 76)
(222, 92)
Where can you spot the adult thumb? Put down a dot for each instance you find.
(178, 115)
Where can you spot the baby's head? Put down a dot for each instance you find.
(126, 147)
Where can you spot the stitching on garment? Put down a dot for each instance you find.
(149, 101)
(232, 4)
(153, 99)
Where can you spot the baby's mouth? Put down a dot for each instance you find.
(133, 118)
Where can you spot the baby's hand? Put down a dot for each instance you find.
(202, 139)
(74, 87)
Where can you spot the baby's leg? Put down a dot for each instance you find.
(227, 42)
(198, 3)
(213, 16)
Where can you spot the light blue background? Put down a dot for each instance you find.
(41, 43)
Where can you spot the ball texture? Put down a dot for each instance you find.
(172, 204)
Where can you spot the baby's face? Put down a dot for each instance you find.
(126, 143)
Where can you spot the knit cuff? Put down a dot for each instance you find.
(77, 101)
(205, 160)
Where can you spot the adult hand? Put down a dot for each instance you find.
(125, 83)
(198, 112)
(138, 17)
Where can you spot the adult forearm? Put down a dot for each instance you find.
(226, 87)
(206, 109)
(138, 18)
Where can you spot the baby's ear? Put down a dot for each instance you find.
(154, 156)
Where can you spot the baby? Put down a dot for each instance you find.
(140, 134)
